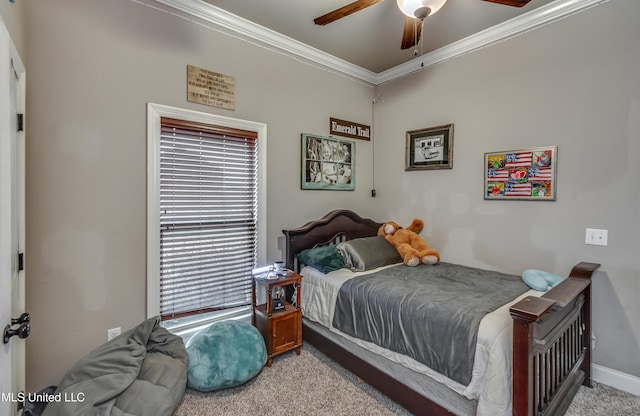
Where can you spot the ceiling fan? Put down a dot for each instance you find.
(415, 12)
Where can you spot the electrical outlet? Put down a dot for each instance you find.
(113, 332)
(597, 237)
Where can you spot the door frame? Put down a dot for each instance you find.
(12, 216)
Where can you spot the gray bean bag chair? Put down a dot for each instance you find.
(143, 372)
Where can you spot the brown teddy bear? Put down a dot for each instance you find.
(412, 248)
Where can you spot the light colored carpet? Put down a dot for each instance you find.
(604, 400)
(312, 384)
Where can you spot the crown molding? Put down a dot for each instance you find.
(224, 19)
(526, 22)
(541, 16)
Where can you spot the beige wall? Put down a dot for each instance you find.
(93, 65)
(13, 16)
(574, 84)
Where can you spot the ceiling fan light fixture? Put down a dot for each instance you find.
(420, 8)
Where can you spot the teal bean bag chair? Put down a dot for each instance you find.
(225, 354)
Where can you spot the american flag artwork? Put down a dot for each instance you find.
(517, 159)
(521, 174)
(517, 189)
(540, 174)
(497, 175)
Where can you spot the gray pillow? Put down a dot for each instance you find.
(368, 253)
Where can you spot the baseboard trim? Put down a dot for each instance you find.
(616, 379)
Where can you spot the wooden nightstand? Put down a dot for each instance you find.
(281, 329)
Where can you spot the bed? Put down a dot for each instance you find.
(537, 344)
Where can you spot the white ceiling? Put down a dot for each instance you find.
(366, 44)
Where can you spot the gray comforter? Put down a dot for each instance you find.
(143, 372)
(429, 313)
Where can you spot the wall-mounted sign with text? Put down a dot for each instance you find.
(210, 88)
(349, 129)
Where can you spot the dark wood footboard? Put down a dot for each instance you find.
(552, 345)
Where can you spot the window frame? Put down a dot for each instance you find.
(154, 113)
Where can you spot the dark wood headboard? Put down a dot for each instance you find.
(336, 226)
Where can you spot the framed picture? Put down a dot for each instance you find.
(328, 163)
(430, 148)
(528, 174)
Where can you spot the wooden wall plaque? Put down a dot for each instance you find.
(210, 88)
(349, 129)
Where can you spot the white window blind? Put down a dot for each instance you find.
(208, 217)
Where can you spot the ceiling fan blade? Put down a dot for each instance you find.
(356, 6)
(411, 32)
(514, 3)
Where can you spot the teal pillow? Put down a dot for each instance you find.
(324, 258)
(225, 354)
(540, 280)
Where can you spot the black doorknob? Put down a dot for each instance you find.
(23, 331)
(22, 319)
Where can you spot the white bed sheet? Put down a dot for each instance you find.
(491, 379)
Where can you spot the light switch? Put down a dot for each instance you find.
(597, 237)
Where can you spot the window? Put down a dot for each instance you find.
(205, 217)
